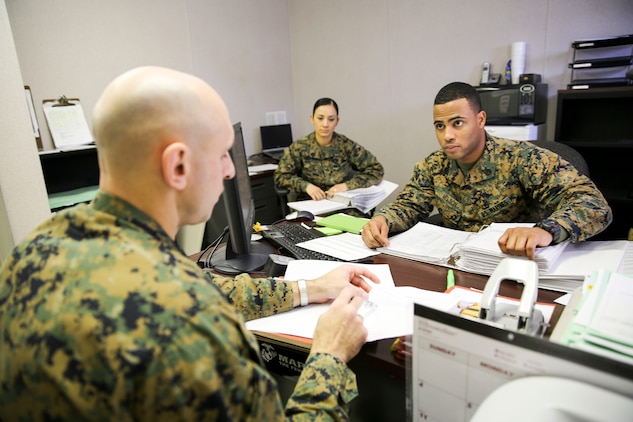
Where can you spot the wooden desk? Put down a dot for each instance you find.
(380, 375)
(406, 272)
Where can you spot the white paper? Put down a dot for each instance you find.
(261, 168)
(613, 315)
(67, 124)
(317, 207)
(345, 246)
(427, 243)
(363, 199)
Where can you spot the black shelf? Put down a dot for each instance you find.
(69, 169)
(599, 83)
(596, 123)
(603, 42)
(601, 62)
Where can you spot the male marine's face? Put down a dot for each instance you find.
(459, 130)
(213, 164)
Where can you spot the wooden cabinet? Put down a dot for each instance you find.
(597, 123)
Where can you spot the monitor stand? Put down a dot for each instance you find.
(225, 261)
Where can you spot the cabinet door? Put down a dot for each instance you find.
(267, 208)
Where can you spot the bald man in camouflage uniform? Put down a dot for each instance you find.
(103, 317)
(325, 162)
(477, 179)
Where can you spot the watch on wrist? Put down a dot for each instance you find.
(303, 292)
(552, 227)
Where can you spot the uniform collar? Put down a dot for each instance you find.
(126, 212)
(483, 169)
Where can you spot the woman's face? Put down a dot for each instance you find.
(324, 121)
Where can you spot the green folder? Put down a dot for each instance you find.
(343, 222)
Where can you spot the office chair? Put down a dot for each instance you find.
(282, 198)
(567, 152)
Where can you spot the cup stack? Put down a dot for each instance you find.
(518, 61)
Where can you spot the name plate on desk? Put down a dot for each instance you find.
(282, 354)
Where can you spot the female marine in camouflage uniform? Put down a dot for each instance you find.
(325, 162)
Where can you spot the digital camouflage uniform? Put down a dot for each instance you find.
(343, 161)
(102, 317)
(512, 182)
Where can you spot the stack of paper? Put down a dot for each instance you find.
(562, 267)
(602, 324)
(481, 253)
(426, 243)
(364, 199)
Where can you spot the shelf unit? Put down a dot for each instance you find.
(71, 176)
(595, 122)
(601, 62)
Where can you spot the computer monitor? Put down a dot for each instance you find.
(275, 138)
(240, 254)
(457, 362)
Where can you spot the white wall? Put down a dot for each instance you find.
(383, 61)
(74, 48)
(23, 200)
(240, 47)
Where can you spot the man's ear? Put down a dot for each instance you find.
(176, 165)
(481, 116)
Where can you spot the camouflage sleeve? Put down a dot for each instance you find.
(255, 297)
(574, 200)
(209, 370)
(289, 168)
(329, 379)
(414, 203)
(368, 170)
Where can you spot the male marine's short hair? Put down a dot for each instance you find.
(458, 90)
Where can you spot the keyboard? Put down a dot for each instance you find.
(286, 236)
(275, 155)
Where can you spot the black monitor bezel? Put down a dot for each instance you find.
(240, 254)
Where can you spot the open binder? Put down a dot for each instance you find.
(363, 199)
(562, 267)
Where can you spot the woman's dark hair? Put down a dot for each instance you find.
(325, 101)
(458, 90)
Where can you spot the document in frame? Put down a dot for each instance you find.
(67, 123)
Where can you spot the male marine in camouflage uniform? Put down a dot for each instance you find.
(102, 316)
(477, 179)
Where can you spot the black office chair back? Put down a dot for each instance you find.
(567, 152)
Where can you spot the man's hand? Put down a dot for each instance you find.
(315, 192)
(328, 287)
(340, 330)
(376, 232)
(523, 241)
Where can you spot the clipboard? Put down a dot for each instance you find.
(67, 122)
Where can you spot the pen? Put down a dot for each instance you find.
(304, 225)
(450, 279)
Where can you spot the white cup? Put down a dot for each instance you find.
(517, 64)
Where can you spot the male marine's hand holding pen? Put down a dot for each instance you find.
(340, 330)
(376, 232)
